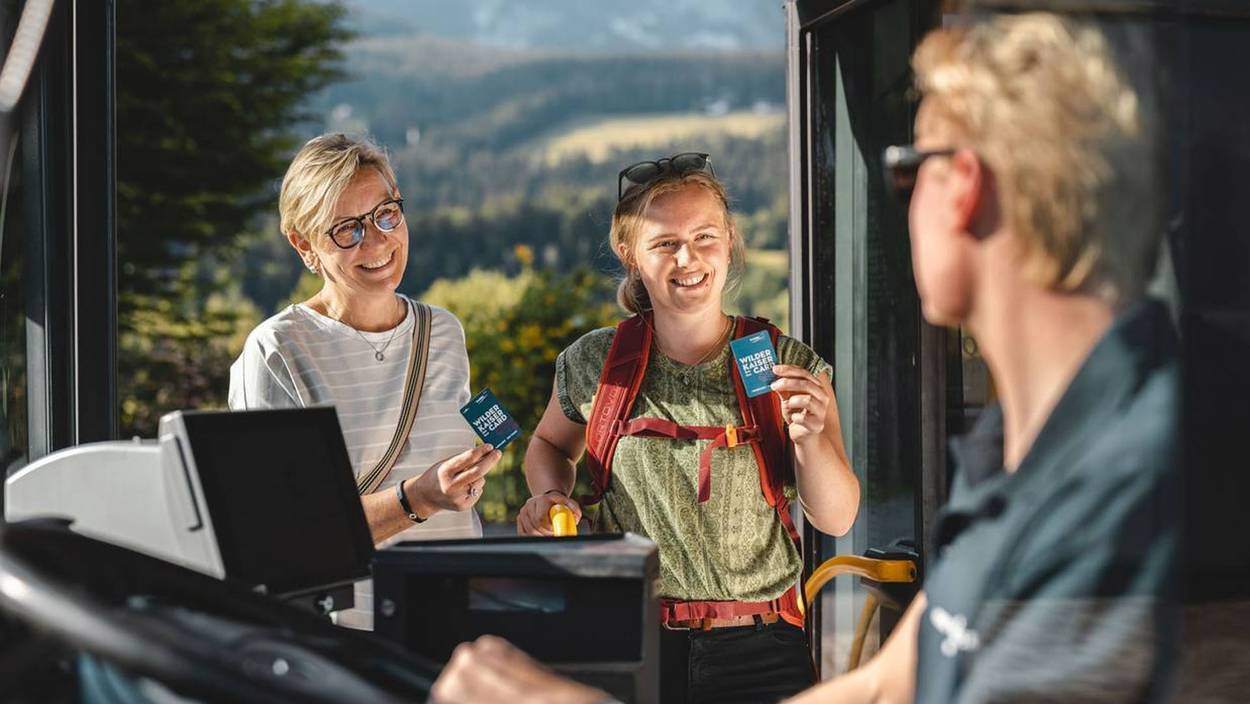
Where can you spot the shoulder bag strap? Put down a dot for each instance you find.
(414, 382)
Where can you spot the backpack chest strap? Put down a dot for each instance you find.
(728, 436)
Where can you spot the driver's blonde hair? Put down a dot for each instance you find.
(1042, 102)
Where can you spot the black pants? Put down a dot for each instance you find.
(762, 663)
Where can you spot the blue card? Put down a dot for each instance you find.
(755, 357)
(490, 421)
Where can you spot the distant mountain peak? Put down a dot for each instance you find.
(582, 25)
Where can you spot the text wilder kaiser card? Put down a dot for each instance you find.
(490, 421)
(755, 357)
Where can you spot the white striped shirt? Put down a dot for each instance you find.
(301, 358)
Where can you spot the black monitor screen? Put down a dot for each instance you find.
(282, 497)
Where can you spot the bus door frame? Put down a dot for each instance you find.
(852, 296)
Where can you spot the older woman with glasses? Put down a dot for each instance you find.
(350, 344)
(677, 450)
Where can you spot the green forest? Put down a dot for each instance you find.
(507, 160)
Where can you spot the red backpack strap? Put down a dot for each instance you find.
(772, 452)
(619, 382)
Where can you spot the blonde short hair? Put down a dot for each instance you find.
(1042, 102)
(630, 216)
(317, 176)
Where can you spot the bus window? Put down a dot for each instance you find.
(13, 412)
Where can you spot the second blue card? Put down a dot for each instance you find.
(755, 357)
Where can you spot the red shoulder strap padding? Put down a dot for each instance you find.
(772, 452)
(619, 382)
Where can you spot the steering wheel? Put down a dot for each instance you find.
(195, 635)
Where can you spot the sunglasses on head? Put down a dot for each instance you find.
(902, 164)
(645, 172)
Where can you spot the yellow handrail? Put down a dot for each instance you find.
(861, 630)
(898, 571)
(885, 571)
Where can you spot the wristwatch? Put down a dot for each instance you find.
(403, 503)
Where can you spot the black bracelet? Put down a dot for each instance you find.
(403, 503)
(558, 491)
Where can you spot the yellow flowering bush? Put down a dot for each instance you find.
(514, 328)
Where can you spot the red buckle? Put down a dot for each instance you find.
(731, 436)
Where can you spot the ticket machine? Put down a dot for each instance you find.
(203, 536)
(262, 498)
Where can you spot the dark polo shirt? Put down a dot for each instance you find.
(1053, 583)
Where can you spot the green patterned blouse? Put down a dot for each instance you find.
(731, 548)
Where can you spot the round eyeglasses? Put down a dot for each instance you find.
(386, 216)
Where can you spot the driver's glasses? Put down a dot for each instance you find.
(387, 216)
(901, 166)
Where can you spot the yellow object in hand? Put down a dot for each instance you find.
(562, 521)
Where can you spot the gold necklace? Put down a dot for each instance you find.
(720, 342)
(684, 374)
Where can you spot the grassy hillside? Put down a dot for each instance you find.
(497, 146)
(462, 95)
(765, 287)
(599, 139)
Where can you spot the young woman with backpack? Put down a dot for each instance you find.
(678, 452)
